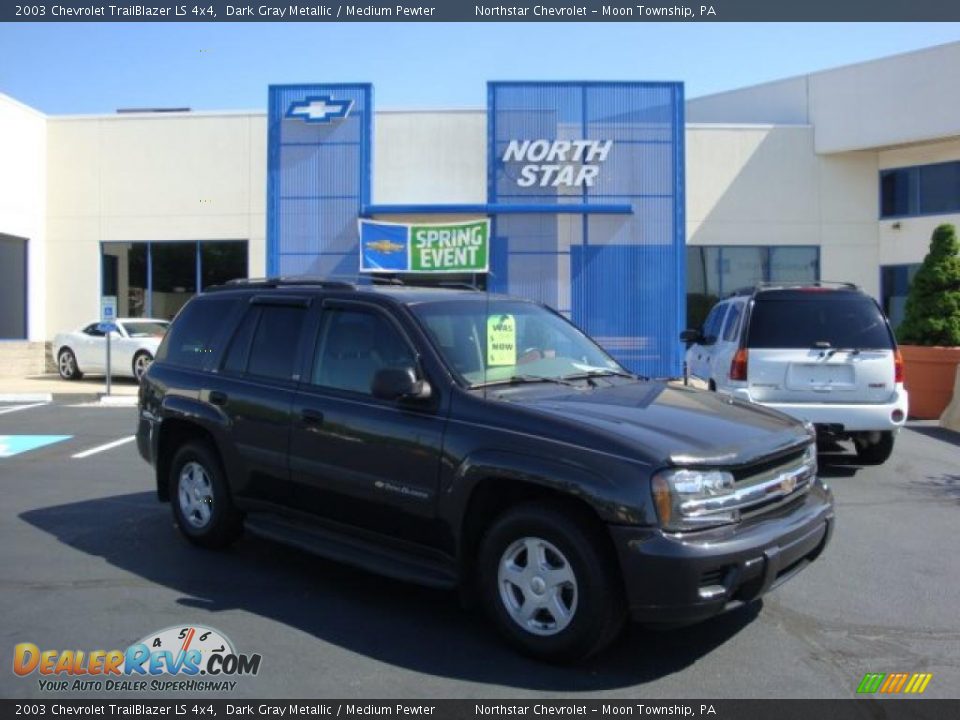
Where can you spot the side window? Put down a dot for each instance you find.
(236, 356)
(733, 322)
(354, 345)
(196, 332)
(93, 331)
(273, 351)
(713, 323)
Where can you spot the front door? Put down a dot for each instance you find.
(354, 458)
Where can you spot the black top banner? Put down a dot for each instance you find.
(482, 11)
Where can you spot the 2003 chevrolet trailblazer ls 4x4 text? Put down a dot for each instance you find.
(455, 438)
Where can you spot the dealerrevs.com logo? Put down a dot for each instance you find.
(179, 658)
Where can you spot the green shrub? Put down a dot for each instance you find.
(932, 313)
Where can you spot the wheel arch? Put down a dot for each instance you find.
(173, 433)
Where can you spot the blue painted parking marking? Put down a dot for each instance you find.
(11, 445)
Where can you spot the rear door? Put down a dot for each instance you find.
(819, 345)
(728, 341)
(255, 387)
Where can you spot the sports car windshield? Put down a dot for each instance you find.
(145, 329)
(503, 341)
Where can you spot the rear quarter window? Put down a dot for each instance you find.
(198, 331)
(837, 320)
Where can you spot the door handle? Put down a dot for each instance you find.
(311, 417)
(218, 398)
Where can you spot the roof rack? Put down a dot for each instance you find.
(750, 290)
(283, 281)
(423, 282)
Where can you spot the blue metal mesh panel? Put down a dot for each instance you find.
(318, 181)
(620, 276)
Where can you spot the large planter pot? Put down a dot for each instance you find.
(928, 374)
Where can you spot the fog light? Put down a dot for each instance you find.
(897, 415)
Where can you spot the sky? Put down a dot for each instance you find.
(67, 68)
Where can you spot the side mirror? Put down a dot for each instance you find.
(691, 337)
(399, 384)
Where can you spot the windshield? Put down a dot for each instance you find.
(145, 329)
(503, 340)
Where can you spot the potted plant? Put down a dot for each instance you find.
(930, 331)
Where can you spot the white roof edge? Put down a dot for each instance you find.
(824, 71)
(22, 105)
(745, 126)
(159, 115)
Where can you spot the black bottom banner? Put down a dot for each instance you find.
(854, 709)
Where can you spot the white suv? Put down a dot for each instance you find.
(821, 353)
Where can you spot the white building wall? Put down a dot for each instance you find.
(906, 240)
(430, 157)
(23, 179)
(184, 176)
(907, 98)
(764, 185)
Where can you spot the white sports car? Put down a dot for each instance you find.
(133, 346)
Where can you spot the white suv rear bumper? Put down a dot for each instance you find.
(853, 417)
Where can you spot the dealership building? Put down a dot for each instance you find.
(622, 204)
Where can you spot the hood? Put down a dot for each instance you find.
(672, 425)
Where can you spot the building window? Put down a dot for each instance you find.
(714, 271)
(921, 190)
(894, 286)
(155, 279)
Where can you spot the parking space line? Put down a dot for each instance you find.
(15, 408)
(102, 448)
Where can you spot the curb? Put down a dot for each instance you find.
(118, 400)
(25, 397)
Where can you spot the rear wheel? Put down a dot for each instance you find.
(202, 506)
(548, 583)
(67, 365)
(873, 450)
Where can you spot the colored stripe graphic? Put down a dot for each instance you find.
(870, 683)
(893, 683)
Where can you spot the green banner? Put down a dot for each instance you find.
(454, 248)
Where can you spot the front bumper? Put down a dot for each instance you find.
(678, 579)
(853, 417)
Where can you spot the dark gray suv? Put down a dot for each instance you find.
(457, 439)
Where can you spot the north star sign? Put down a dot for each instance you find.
(558, 163)
(320, 109)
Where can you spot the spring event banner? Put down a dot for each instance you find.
(436, 248)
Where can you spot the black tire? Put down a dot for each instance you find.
(138, 366)
(67, 365)
(224, 523)
(875, 453)
(599, 612)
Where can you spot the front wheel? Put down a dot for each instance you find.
(202, 506)
(141, 361)
(876, 452)
(548, 583)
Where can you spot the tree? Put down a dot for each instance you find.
(932, 313)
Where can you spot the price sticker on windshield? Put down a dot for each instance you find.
(501, 340)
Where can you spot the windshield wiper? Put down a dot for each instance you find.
(601, 373)
(521, 379)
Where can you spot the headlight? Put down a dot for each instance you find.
(810, 457)
(687, 499)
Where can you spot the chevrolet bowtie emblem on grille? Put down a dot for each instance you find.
(788, 484)
(320, 109)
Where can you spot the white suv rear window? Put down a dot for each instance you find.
(828, 319)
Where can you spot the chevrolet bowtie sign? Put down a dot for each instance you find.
(320, 109)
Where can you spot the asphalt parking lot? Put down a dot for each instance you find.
(89, 559)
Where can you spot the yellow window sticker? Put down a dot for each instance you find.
(501, 340)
